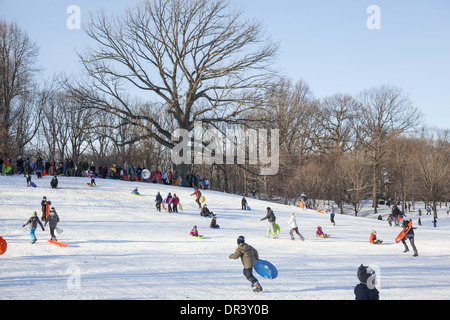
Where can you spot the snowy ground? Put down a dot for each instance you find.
(120, 247)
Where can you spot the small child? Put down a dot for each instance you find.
(194, 232)
(33, 221)
(135, 191)
(214, 224)
(92, 175)
(320, 234)
(366, 290)
(373, 238)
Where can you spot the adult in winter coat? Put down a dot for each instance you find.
(332, 212)
(33, 222)
(44, 207)
(197, 194)
(248, 256)
(409, 233)
(52, 220)
(294, 227)
(244, 203)
(366, 290)
(205, 212)
(158, 201)
(270, 216)
(395, 214)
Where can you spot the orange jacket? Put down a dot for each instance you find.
(197, 193)
(373, 237)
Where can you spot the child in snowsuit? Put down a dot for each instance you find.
(194, 232)
(409, 233)
(135, 191)
(319, 233)
(270, 216)
(54, 182)
(175, 201)
(52, 220)
(33, 221)
(373, 238)
(93, 179)
(294, 227)
(214, 224)
(248, 256)
(366, 290)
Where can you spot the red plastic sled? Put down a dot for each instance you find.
(3, 246)
(57, 243)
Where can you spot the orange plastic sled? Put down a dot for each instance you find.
(57, 243)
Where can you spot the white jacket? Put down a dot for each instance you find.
(291, 221)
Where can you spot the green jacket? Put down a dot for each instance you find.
(247, 253)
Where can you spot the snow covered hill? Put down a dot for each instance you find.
(120, 247)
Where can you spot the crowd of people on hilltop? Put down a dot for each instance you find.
(68, 168)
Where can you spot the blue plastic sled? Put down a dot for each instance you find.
(33, 184)
(248, 208)
(265, 269)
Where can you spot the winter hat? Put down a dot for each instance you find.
(240, 240)
(34, 213)
(364, 273)
(374, 232)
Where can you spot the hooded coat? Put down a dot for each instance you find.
(247, 253)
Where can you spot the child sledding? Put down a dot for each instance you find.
(194, 233)
(320, 233)
(373, 238)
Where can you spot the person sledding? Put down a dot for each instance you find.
(205, 212)
(214, 224)
(373, 238)
(248, 256)
(197, 194)
(194, 233)
(135, 191)
(320, 233)
(52, 221)
(33, 221)
(54, 182)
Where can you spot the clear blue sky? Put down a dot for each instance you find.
(325, 42)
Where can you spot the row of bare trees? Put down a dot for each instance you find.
(168, 64)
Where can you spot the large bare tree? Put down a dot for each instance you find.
(17, 58)
(384, 112)
(191, 60)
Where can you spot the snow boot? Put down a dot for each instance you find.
(415, 254)
(32, 242)
(257, 286)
